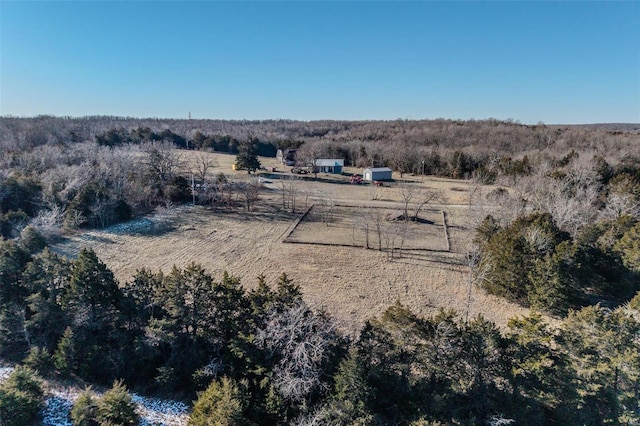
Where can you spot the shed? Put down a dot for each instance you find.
(377, 173)
(329, 165)
(287, 156)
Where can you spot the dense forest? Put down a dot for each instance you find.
(94, 171)
(395, 143)
(558, 231)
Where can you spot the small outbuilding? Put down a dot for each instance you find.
(329, 165)
(377, 173)
(287, 156)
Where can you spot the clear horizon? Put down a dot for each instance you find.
(555, 62)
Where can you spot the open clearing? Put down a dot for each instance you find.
(328, 259)
(368, 227)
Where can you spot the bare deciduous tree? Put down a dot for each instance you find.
(49, 221)
(162, 160)
(326, 206)
(424, 198)
(407, 194)
(362, 221)
(619, 205)
(289, 189)
(250, 192)
(394, 237)
(302, 341)
(310, 152)
(418, 198)
(202, 164)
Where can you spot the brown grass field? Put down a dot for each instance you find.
(326, 258)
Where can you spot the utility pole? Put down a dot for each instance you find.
(193, 189)
(187, 133)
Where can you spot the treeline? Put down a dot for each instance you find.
(264, 357)
(119, 137)
(503, 137)
(84, 185)
(64, 187)
(200, 141)
(417, 158)
(562, 236)
(68, 184)
(483, 149)
(532, 262)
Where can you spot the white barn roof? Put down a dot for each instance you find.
(378, 169)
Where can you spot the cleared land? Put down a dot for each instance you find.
(340, 275)
(370, 227)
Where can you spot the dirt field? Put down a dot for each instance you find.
(341, 276)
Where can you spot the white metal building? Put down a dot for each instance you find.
(377, 173)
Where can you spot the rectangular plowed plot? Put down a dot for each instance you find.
(373, 227)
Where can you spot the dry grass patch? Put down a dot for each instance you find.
(353, 284)
(349, 281)
(370, 228)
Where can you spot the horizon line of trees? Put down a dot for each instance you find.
(503, 136)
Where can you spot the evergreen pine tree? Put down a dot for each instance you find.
(247, 157)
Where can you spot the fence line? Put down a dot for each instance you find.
(446, 231)
(296, 223)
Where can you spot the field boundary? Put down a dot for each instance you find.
(295, 224)
(386, 249)
(446, 231)
(322, 244)
(289, 232)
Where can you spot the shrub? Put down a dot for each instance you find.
(32, 240)
(21, 398)
(64, 357)
(19, 192)
(221, 404)
(179, 190)
(629, 246)
(12, 222)
(116, 407)
(122, 211)
(85, 409)
(40, 360)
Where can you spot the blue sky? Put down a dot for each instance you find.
(556, 62)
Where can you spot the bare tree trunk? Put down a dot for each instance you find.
(378, 224)
(424, 199)
(407, 196)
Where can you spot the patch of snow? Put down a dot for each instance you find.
(57, 407)
(5, 372)
(155, 411)
(159, 220)
(131, 227)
